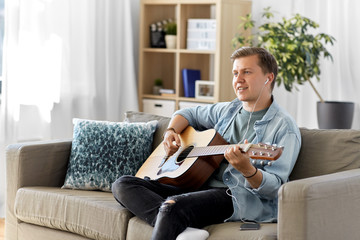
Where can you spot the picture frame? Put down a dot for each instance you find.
(204, 89)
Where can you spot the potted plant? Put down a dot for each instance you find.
(158, 84)
(298, 52)
(170, 37)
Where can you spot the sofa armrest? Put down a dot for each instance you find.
(323, 207)
(37, 163)
(33, 164)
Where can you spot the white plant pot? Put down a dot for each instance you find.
(170, 41)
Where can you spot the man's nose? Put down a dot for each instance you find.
(239, 78)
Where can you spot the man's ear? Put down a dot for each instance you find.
(270, 77)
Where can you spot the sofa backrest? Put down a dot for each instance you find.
(163, 122)
(327, 151)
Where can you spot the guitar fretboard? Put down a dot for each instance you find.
(216, 150)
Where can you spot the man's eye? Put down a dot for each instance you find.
(247, 72)
(235, 74)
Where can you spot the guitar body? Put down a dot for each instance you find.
(179, 170)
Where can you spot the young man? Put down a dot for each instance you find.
(238, 190)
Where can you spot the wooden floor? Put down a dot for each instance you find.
(2, 228)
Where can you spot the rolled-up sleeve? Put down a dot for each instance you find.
(278, 173)
(203, 117)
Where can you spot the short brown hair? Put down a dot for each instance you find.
(267, 61)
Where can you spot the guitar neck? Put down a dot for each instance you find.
(215, 150)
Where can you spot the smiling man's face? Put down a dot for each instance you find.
(249, 81)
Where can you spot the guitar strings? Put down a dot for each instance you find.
(228, 191)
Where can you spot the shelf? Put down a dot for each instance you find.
(152, 96)
(185, 99)
(167, 64)
(165, 50)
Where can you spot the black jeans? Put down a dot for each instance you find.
(169, 209)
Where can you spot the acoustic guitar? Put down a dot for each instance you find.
(198, 157)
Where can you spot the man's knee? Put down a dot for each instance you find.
(175, 209)
(175, 203)
(170, 201)
(121, 184)
(168, 205)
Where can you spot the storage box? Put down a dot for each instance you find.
(159, 107)
(201, 44)
(201, 23)
(201, 34)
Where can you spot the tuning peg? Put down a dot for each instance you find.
(262, 162)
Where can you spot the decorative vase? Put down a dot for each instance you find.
(335, 115)
(170, 41)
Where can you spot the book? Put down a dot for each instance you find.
(189, 77)
(164, 90)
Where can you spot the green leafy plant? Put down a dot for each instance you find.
(297, 50)
(170, 28)
(158, 82)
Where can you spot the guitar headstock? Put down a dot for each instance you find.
(263, 151)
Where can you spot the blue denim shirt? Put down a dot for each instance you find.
(276, 127)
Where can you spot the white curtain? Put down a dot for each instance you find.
(339, 80)
(65, 59)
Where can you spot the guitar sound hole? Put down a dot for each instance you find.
(183, 155)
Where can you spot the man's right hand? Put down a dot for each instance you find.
(171, 142)
(171, 137)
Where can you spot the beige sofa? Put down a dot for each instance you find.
(322, 200)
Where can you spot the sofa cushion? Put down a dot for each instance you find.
(327, 151)
(231, 231)
(103, 151)
(30, 231)
(93, 214)
(163, 123)
(228, 231)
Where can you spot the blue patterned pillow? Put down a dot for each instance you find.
(103, 151)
